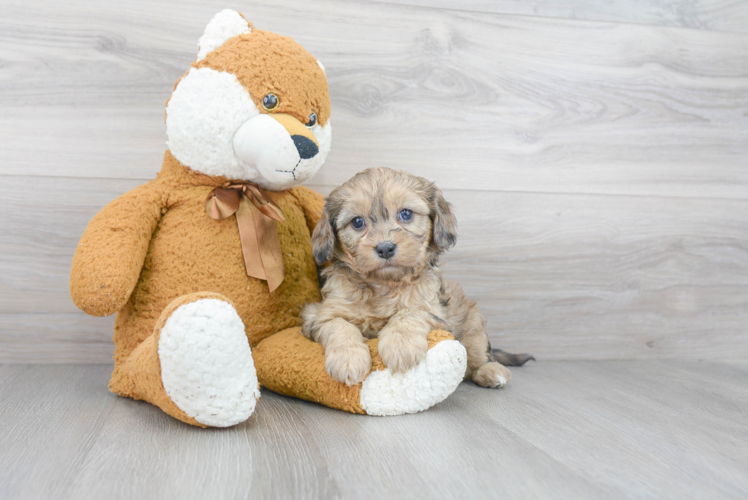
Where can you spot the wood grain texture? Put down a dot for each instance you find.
(561, 276)
(716, 15)
(51, 418)
(570, 277)
(40, 337)
(473, 100)
(597, 155)
(604, 429)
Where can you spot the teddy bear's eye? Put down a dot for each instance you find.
(357, 223)
(270, 102)
(312, 120)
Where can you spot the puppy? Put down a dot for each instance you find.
(383, 232)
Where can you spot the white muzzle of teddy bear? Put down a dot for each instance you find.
(265, 145)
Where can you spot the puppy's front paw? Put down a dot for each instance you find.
(492, 374)
(401, 352)
(349, 363)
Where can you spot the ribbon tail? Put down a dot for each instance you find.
(263, 257)
(270, 251)
(250, 241)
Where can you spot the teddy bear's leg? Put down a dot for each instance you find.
(289, 363)
(196, 366)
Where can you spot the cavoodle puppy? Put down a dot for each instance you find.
(383, 232)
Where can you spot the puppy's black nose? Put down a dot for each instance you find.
(386, 249)
(305, 146)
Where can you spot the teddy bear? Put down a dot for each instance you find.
(209, 265)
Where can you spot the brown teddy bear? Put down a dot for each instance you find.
(209, 265)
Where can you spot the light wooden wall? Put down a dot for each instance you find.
(596, 153)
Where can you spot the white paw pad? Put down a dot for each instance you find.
(430, 382)
(206, 363)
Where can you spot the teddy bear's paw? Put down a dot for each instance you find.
(428, 383)
(206, 363)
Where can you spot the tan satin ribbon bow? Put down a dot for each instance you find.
(256, 216)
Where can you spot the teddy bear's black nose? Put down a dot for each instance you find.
(305, 146)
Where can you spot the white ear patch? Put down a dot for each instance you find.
(204, 112)
(224, 25)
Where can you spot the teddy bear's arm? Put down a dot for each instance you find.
(111, 252)
(312, 202)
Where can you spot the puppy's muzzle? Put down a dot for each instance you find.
(386, 249)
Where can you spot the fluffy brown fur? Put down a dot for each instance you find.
(277, 62)
(383, 232)
(155, 246)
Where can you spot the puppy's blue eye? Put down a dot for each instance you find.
(357, 223)
(406, 215)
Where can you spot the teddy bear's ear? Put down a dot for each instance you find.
(224, 25)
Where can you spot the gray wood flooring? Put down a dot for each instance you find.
(597, 157)
(594, 429)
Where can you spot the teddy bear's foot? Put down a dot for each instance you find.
(201, 352)
(206, 363)
(291, 364)
(421, 387)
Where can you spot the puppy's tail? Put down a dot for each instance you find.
(509, 359)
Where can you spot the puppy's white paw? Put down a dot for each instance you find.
(348, 363)
(492, 375)
(401, 352)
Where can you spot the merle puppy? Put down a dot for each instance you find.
(383, 231)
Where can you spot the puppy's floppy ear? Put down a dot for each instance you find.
(323, 238)
(445, 223)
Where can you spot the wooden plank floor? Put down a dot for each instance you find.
(596, 154)
(595, 429)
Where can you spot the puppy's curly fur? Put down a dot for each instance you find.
(383, 232)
